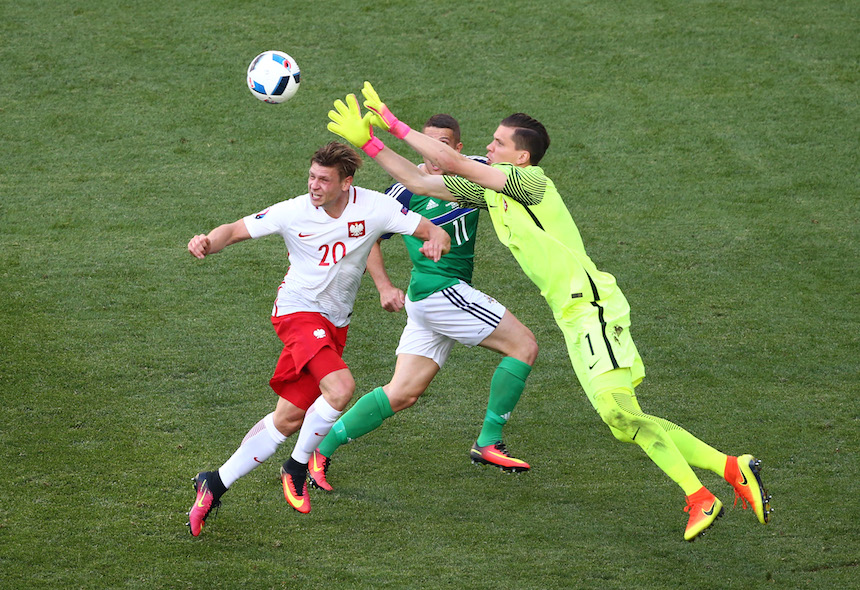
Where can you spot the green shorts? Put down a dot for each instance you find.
(598, 340)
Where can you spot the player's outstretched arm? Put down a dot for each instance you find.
(219, 238)
(411, 176)
(442, 155)
(455, 163)
(346, 121)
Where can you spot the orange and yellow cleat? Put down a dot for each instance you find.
(497, 455)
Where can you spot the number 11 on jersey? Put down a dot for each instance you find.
(460, 234)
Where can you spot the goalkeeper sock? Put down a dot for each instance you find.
(617, 410)
(506, 387)
(696, 453)
(366, 415)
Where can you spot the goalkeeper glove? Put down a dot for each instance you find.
(382, 116)
(346, 121)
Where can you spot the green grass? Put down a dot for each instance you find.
(708, 151)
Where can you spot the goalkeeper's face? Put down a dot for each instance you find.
(444, 135)
(503, 149)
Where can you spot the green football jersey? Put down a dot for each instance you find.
(531, 219)
(461, 223)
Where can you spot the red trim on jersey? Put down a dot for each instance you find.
(354, 195)
(277, 294)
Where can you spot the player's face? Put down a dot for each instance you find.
(325, 185)
(503, 149)
(444, 135)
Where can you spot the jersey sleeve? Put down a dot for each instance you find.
(525, 185)
(270, 220)
(467, 192)
(403, 196)
(398, 219)
(400, 192)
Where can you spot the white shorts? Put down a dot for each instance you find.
(459, 313)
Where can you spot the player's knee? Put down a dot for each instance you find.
(339, 399)
(523, 346)
(616, 420)
(402, 396)
(338, 389)
(621, 423)
(630, 428)
(512, 338)
(529, 348)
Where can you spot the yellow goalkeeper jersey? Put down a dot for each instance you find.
(531, 219)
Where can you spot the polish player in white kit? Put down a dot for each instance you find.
(329, 233)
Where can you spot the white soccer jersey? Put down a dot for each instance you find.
(328, 256)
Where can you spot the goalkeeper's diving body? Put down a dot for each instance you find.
(531, 219)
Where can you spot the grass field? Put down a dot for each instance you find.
(708, 151)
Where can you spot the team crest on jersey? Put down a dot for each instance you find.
(261, 214)
(505, 203)
(356, 229)
(319, 333)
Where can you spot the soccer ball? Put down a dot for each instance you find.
(273, 77)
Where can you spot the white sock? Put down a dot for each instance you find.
(318, 421)
(259, 444)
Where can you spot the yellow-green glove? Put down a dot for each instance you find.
(346, 121)
(383, 117)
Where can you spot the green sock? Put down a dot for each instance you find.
(506, 387)
(366, 415)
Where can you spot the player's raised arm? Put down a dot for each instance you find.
(346, 121)
(455, 164)
(442, 155)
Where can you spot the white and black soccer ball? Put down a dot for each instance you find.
(273, 77)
